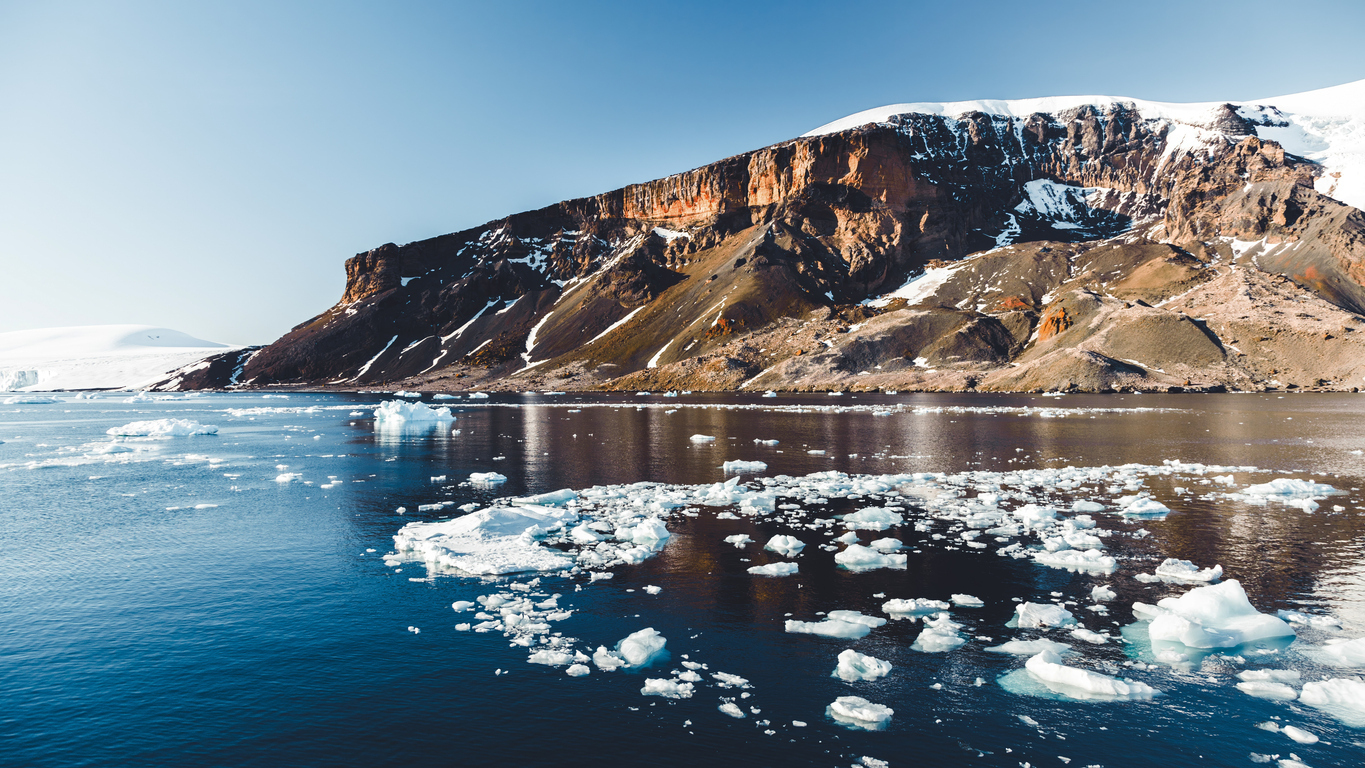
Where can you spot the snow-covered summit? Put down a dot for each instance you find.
(96, 356)
(1326, 125)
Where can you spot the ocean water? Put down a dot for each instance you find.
(225, 600)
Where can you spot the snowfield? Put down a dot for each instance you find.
(97, 357)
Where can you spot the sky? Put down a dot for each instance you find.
(209, 166)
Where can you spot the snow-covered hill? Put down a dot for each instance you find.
(1326, 125)
(96, 356)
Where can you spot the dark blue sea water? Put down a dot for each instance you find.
(181, 604)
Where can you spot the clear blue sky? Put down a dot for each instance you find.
(208, 166)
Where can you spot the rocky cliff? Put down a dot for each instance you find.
(1100, 245)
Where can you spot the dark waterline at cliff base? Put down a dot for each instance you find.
(188, 603)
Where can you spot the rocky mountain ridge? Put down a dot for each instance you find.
(1098, 246)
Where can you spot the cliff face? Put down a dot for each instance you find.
(679, 269)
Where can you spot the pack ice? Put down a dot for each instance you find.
(163, 428)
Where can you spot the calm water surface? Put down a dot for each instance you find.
(181, 604)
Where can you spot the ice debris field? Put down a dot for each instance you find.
(537, 552)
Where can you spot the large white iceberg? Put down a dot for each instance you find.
(1216, 616)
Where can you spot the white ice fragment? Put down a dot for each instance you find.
(744, 467)
(939, 635)
(739, 540)
(732, 709)
(578, 670)
(396, 413)
(1267, 689)
(854, 666)
(1082, 684)
(1091, 560)
(163, 428)
(606, 660)
(1341, 698)
(858, 712)
(487, 542)
(1030, 647)
(670, 689)
(1340, 652)
(1146, 507)
(872, 519)
(460, 606)
(915, 606)
(653, 590)
(774, 569)
(1102, 594)
(640, 648)
(787, 546)
(1184, 571)
(1088, 636)
(1300, 735)
(859, 558)
(967, 601)
(1216, 616)
(703, 438)
(1283, 486)
(1042, 615)
(487, 479)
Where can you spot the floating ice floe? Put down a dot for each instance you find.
(1283, 486)
(1274, 684)
(31, 400)
(744, 467)
(739, 540)
(968, 601)
(640, 648)
(1076, 560)
(1307, 619)
(856, 557)
(487, 542)
(1031, 647)
(732, 709)
(857, 712)
(1084, 685)
(774, 569)
(1216, 616)
(787, 546)
(1041, 616)
(854, 667)
(1340, 652)
(163, 428)
(915, 606)
(1143, 506)
(1182, 572)
(1102, 594)
(671, 689)
(703, 438)
(872, 519)
(395, 413)
(940, 634)
(849, 625)
(487, 479)
(1341, 698)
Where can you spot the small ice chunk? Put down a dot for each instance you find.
(859, 558)
(1146, 507)
(1031, 647)
(854, 666)
(774, 569)
(1102, 594)
(787, 546)
(848, 538)
(703, 438)
(653, 590)
(606, 660)
(967, 601)
(858, 712)
(670, 689)
(1184, 571)
(732, 709)
(1088, 636)
(640, 648)
(1042, 615)
(744, 467)
(396, 413)
(849, 625)
(1216, 616)
(1300, 735)
(487, 479)
(939, 635)
(872, 519)
(887, 544)
(1267, 689)
(163, 428)
(1086, 506)
(578, 670)
(901, 608)
(1076, 560)
(739, 540)
(1341, 652)
(460, 606)
(1076, 683)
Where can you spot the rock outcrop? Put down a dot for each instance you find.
(1079, 249)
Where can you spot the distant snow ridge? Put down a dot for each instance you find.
(1326, 125)
(97, 357)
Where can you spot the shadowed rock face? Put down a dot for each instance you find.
(1061, 233)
